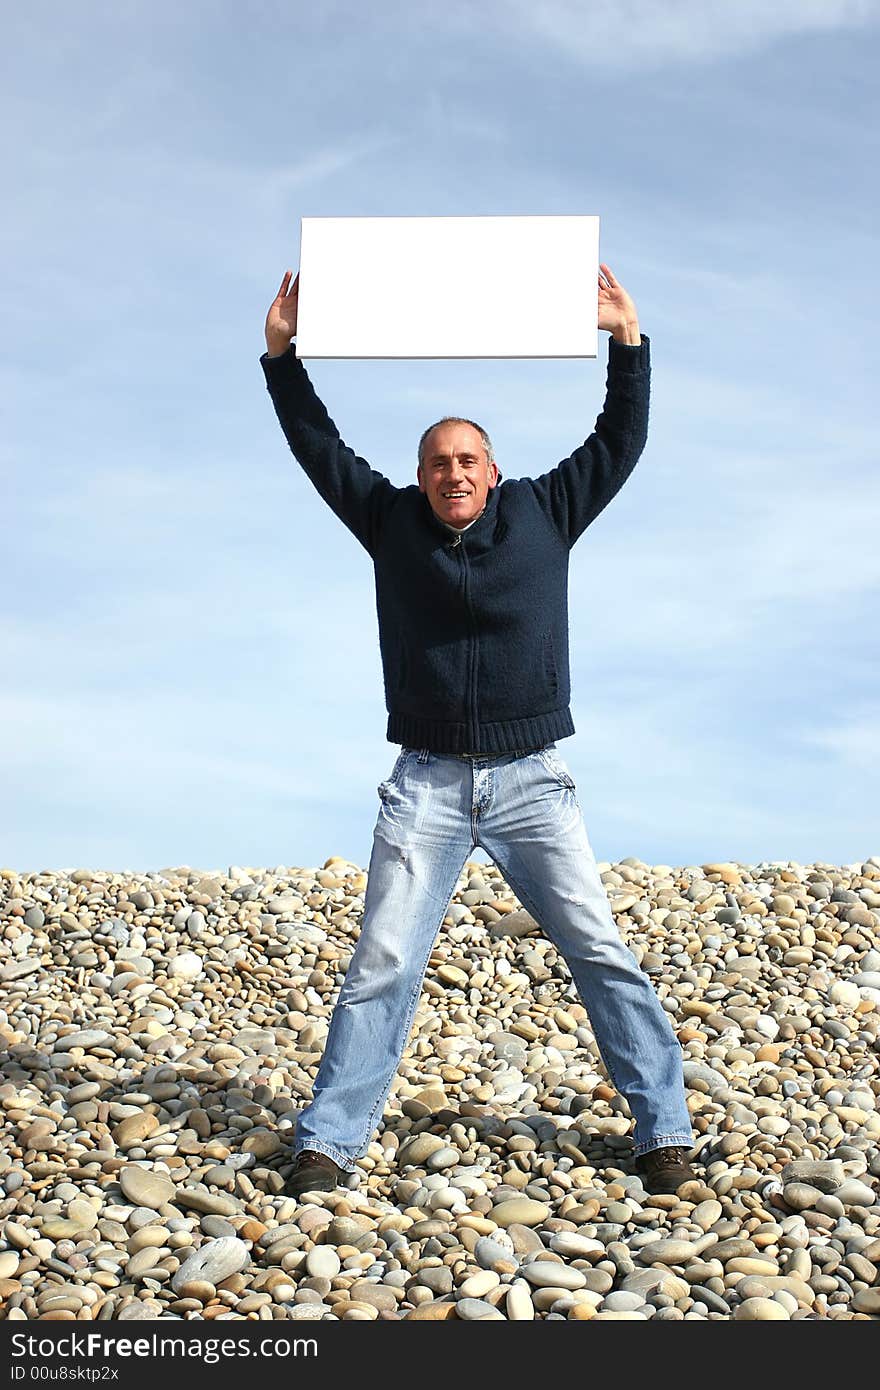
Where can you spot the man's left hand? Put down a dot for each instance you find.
(617, 311)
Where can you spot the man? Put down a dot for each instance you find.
(472, 593)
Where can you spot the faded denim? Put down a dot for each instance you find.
(522, 809)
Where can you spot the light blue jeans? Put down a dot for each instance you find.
(521, 808)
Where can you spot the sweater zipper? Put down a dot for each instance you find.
(472, 654)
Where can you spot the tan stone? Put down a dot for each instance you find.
(760, 1310)
(131, 1131)
(431, 1312)
(261, 1142)
(522, 1211)
(581, 1312)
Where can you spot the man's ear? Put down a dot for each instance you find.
(493, 473)
(420, 478)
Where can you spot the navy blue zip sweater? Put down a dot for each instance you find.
(473, 629)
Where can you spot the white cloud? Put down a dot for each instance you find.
(609, 34)
(614, 35)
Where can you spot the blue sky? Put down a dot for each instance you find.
(190, 669)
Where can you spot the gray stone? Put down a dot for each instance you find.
(18, 969)
(444, 1158)
(623, 1301)
(856, 1194)
(800, 1196)
(85, 1038)
(699, 1071)
(488, 1252)
(551, 1274)
(146, 1187)
(213, 1262)
(668, 1252)
(476, 1310)
(199, 1199)
(438, 1280)
(825, 1174)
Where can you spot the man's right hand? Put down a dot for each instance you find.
(281, 318)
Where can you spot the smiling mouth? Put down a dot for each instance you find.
(455, 496)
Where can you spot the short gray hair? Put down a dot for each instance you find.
(457, 420)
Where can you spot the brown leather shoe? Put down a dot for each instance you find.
(664, 1170)
(313, 1172)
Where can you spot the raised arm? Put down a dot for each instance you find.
(356, 493)
(575, 492)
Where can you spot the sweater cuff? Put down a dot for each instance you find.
(629, 358)
(281, 365)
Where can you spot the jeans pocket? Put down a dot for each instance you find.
(384, 788)
(556, 767)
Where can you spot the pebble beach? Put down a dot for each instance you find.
(159, 1032)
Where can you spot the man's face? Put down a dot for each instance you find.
(456, 474)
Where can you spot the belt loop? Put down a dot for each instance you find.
(423, 755)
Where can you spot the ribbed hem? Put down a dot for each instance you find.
(630, 357)
(504, 736)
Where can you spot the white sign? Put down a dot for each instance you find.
(448, 287)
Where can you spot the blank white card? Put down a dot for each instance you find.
(448, 287)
